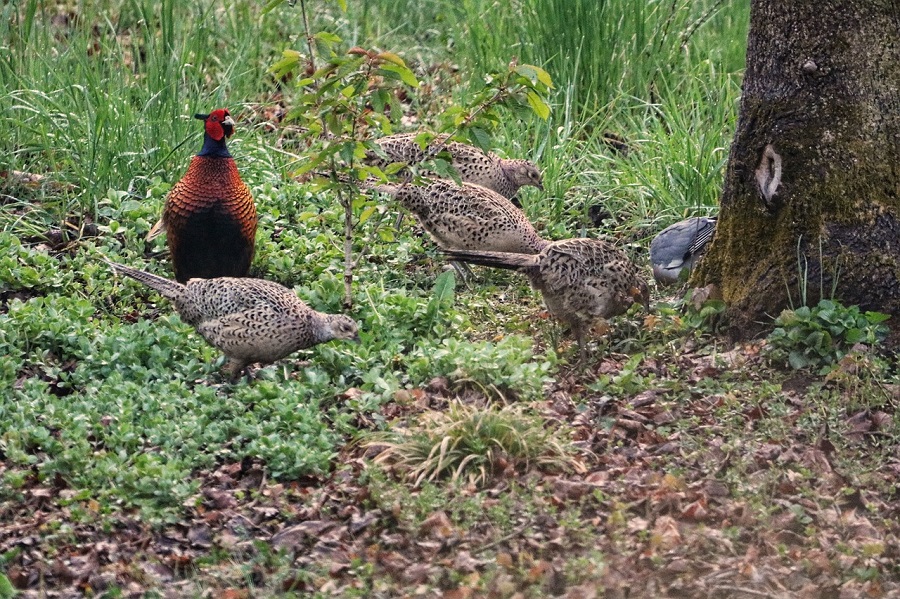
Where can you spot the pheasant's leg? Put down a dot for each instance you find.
(582, 343)
(234, 367)
(463, 270)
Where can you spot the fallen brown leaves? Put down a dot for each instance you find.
(674, 503)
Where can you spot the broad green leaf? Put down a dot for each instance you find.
(876, 317)
(535, 74)
(314, 161)
(391, 57)
(423, 139)
(328, 37)
(797, 360)
(854, 335)
(543, 76)
(815, 339)
(480, 138)
(380, 99)
(394, 168)
(828, 315)
(272, 5)
(6, 588)
(290, 60)
(367, 212)
(347, 152)
(400, 72)
(443, 168)
(538, 105)
(444, 288)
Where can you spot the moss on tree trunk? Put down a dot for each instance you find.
(812, 189)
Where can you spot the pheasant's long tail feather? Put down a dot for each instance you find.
(494, 259)
(167, 287)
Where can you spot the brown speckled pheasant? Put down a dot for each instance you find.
(468, 217)
(250, 320)
(583, 281)
(209, 217)
(505, 176)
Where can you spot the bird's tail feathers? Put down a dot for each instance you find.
(507, 260)
(706, 230)
(167, 287)
(158, 229)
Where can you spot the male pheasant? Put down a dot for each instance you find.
(209, 217)
(505, 176)
(250, 320)
(468, 217)
(583, 281)
(679, 247)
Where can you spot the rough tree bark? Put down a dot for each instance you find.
(813, 176)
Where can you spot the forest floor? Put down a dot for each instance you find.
(709, 474)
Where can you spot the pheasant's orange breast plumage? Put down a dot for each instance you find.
(209, 217)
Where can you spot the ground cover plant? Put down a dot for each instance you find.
(459, 450)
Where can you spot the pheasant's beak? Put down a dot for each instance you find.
(228, 126)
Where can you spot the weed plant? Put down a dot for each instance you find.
(472, 445)
(819, 336)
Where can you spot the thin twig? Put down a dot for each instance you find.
(484, 106)
(753, 592)
(309, 44)
(503, 539)
(365, 248)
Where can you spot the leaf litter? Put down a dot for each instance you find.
(673, 501)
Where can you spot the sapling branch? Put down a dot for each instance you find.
(311, 67)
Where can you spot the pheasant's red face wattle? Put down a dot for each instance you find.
(219, 124)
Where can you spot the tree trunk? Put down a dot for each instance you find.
(811, 202)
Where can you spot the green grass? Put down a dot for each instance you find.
(599, 52)
(113, 414)
(117, 396)
(473, 445)
(115, 400)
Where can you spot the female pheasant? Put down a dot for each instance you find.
(467, 216)
(505, 176)
(250, 320)
(209, 216)
(583, 281)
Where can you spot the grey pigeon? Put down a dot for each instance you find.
(679, 247)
